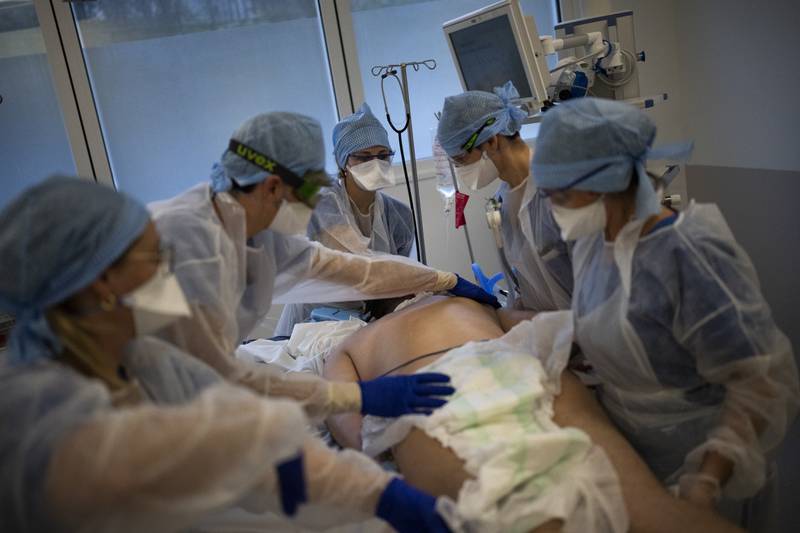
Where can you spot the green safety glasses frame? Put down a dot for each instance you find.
(467, 146)
(306, 187)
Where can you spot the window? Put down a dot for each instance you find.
(33, 140)
(173, 80)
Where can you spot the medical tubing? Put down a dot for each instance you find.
(421, 357)
(408, 190)
(574, 62)
(399, 132)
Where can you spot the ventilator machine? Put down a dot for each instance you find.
(595, 56)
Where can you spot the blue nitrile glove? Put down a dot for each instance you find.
(486, 283)
(404, 395)
(467, 289)
(292, 484)
(409, 510)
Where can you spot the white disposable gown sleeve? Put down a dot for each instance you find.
(201, 335)
(307, 272)
(333, 224)
(75, 463)
(727, 324)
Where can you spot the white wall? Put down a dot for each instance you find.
(730, 68)
(740, 79)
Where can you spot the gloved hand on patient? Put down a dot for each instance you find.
(409, 510)
(393, 396)
(467, 289)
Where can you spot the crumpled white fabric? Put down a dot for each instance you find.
(526, 469)
(305, 350)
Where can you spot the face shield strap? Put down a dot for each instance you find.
(545, 193)
(305, 187)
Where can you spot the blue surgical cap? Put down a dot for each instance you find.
(291, 139)
(595, 144)
(55, 239)
(358, 131)
(465, 113)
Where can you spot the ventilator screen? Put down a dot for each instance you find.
(488, 56)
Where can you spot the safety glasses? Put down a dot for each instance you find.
(164, 256)
(467, 146)
(306, 187)
(364, 157)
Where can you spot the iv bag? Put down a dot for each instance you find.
(444, 179)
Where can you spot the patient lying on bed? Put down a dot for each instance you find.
(522, 445)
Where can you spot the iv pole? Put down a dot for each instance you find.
(391, 70)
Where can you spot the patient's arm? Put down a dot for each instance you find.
(345, 427)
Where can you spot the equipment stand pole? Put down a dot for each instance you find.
(413, 155)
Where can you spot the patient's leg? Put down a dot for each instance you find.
(428, 465)
(650, 507)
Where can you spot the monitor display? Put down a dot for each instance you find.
(488, 56)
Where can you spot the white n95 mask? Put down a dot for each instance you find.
(373, 175)
(582, 221)
(157, 303)
(292, 218)
(479, 174)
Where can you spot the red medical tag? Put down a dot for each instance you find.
(461, 204)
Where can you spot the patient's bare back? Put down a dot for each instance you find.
(431, 326)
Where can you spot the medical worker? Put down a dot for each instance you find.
(667, 307)
(238, 245)
(353, 215)
(480, 133)
(107, 429)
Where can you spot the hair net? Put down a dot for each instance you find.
(463, 114)
(291, 139)
(595, 144)
(356, 132)
(55, 239)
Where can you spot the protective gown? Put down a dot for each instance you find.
(388, 228)
(534, 249)
(74, 456)
(230, 282)
(685, 346)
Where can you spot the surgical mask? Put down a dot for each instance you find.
(292, 218)
(479, 174)
(157, 303)
(373, 175)
(582, 221)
